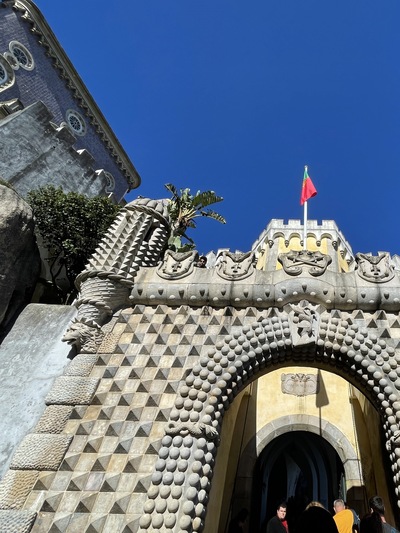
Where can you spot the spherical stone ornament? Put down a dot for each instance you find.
(185, 523)
(194, 480)
(191, 493)
(188, 508)
(145, 521)
(167, 478)
(161, 506)
(179, 478)
(156, 478)
(157, 520)
(173, 505)
(170, 520)
(149, 506)
(165, 491)
(176, 492)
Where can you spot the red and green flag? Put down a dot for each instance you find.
(308, 190)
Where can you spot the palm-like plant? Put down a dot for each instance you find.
(183, 209)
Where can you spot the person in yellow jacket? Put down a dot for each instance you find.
(343, 518)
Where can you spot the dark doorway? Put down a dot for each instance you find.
(297, 467)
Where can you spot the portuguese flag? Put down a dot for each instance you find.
(307, 190)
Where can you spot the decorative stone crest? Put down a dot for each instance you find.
(236, 266)
(299, 384)
(176, 265)
(294, 261)
(304, 323)
(374, 268)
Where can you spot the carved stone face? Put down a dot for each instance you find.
(73, 336)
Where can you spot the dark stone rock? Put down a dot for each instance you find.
(19, 255)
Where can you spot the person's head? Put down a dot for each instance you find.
(315, 504)
(202, 261)
(281, 511)
(376, 504)
(338, 505)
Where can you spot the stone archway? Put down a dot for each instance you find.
(333, 340)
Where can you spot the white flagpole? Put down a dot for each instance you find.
(305, 220)
(305, 227)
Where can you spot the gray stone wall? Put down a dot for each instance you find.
(34, 153)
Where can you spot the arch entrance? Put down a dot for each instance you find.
(299, 467)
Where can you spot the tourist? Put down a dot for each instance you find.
(316, 519)
(278, 523)
(375, 522)
(343, 518)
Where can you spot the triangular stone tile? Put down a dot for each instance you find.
(167, 320)
(141, 487)
(145, 319)
(153, 401)
(97, 526)
(358, 315)
(176, 330)
(126, 399)
(145, 350)
(250, 311)
(223, 331)
(214, 321)
(60, 525)
(153, 362)
(228, 312)
(210, 341)
(99, 398)
(45, 480)
(372, 324)
(110, 372)
(51, 504)
(85, 428)
(163, 415)
(134, 414)
(144, 430)
(124, 446)
(114, 429)
(120, 506)
(385, 334)
(395, 325)
(184, 341)
(153, 329)
(170, 350)
(78, 483)
(144, 386)
(160, 310)
(78, 412)
(237, 322)
(101, 463)
(137, 339)
(171, 388)
(161, 339)
(178, 362)
(70, 462)
(190, 320)
(86, 504)
(194, 351)
(106, 413)
(110, 483)
(381, 315)
(154, 448)
(138, 309)
(128, 360)
(93, 445)
(117, 385)
(133, 465)
(162, 373)
(134, 374)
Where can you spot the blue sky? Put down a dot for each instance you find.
(238, 96)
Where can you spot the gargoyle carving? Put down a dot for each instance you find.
(294, 261)
(176, 265)
(189, 428)
(236, 266)
(85, 335)
(375, 268)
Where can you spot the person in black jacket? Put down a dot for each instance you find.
(278, 523)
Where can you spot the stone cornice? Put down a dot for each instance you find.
(39, 26)
(262, 289)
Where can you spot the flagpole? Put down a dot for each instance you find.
(305, 220)
(305, 227)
